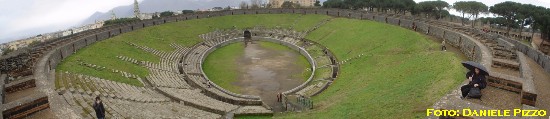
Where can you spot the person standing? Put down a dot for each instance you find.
(99, 109)
(443, 47)
(279, 97)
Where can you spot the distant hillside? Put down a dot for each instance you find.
(151, 6)
(121, 11)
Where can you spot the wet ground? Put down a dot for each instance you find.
(266, 72)
(542, 85)
(44, 114)
(498, 98)
(507, 71)
(492, 97)
(19, 94)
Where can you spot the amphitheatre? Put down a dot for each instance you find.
(326, 63)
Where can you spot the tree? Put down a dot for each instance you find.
(409, 5)
(443, 14)
(187, 11)
(537, 17)
(440, 7)
(121, 20)
(543, 23)
(243, 5)
(6, 50)
(255, 4)
(166, 13)
(317, 3)
(476, 8)
(432, 8)
(397, 6)
(498, 21)
(426, 8)
(508, 10)
(333, 4)
(288, 4)
(33, 43)
(526, 16)
(353, 4)
(462, 7)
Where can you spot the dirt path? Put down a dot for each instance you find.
(19, 94)
(266, 72)
(498, 98)
(542, 84)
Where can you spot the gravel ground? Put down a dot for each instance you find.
(506, 71)
(498, 98)
(542, 85)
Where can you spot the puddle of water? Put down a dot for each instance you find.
(266, 72)
(260, 73)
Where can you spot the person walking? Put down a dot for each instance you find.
(99, 109)
(443, 47)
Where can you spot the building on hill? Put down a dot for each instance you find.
(138, 14)
(47, 36)
(302, 3)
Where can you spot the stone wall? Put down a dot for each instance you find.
(102, 35)
(542, 59)
(467, 46)
(529, 93)
(114, 32)
(3, 79)
(394, 21)
(125, 29)
(455, 39)
(147, 23)
(79, 44)
(381, 19)
(406, 23)
(136, 26)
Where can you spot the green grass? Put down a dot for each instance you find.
(401, 74)
(303, 62)
(221, 68)
(159, 37)
(398, 78)
(323, 73)
(307, 21)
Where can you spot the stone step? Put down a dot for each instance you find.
(505, 63)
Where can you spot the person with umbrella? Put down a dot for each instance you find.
(476, 77)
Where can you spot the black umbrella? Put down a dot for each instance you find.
(471, 65)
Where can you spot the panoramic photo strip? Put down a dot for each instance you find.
(282, 59)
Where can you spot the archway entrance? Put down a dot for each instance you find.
(247, 37)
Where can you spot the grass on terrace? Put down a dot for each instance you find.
(159, 37)
(220, 66)
(400, 76)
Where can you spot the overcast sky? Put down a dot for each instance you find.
(25, 18)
